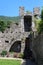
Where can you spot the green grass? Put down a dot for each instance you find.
(9, 62)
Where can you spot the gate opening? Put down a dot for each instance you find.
(27, 51)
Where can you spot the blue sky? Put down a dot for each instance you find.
(11, 7)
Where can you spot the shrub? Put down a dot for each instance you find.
(40, 28)
(3, 53)
(21, 55)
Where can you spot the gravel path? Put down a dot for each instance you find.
(28, 62)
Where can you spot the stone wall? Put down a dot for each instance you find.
(9, 36)
(38, 48)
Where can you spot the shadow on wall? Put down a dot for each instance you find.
(27, 51)
(27, 23)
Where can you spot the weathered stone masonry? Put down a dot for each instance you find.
(18, 33)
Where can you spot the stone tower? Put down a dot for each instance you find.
(21, 11)
(26, 22)
(21, 14)
(36, 11)
(36, 16)
(25, 19)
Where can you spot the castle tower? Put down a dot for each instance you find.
(36, 12)
(36, 16)
(21, 14)
(21, 11)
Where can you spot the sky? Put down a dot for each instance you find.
(11, 7)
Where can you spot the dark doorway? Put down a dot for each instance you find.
(27, 51)
(27, 23)
(16, 47)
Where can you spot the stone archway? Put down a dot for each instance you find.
(16, 47)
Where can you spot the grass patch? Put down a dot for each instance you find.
(9, 62)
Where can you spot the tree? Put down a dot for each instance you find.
(42, 14)
(2, 26)
(40, 27)
(8, 24)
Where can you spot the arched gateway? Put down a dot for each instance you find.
(15, 47)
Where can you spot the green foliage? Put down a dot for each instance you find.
(6, 21)
(4, 53)
(13, 19)
(21, 55)
(42, 14)
(37, 23)
(40, 27)
(8, 24)
(2, 26)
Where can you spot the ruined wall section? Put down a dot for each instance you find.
(10, 35)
